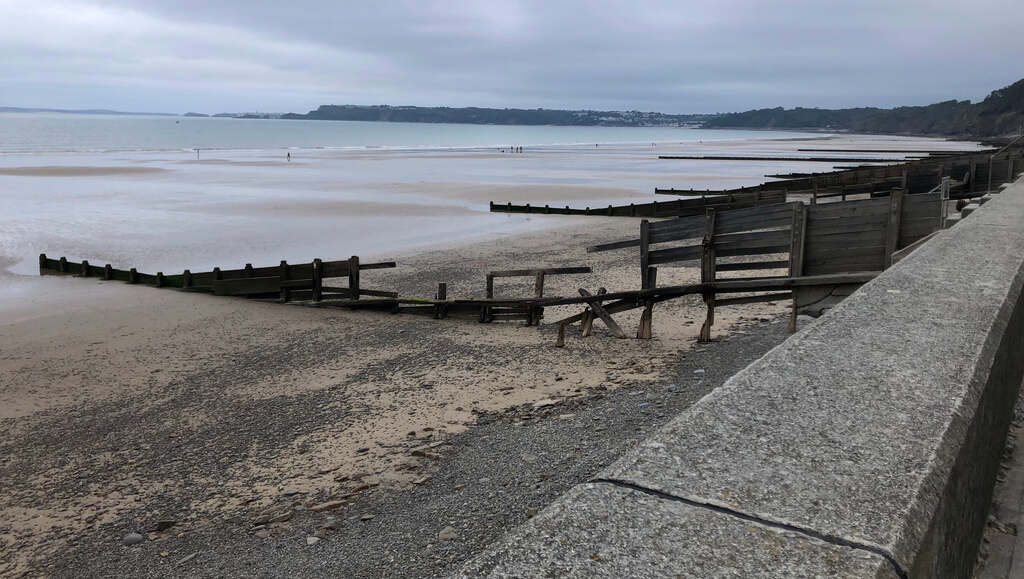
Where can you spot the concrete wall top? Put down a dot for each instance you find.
(839, 453)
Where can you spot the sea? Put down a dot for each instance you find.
(32, 133)
(164, 193)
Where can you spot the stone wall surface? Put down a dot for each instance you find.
(866, 445)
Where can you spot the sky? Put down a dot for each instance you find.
(676, 56)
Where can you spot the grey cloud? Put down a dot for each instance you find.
(658, 55)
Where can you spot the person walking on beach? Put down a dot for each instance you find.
(289, 156)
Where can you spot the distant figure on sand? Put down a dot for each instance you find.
(289, 156)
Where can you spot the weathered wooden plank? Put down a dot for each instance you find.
(731, 252)
(752, 240)
(677, 229)
(247, 286)
(917, 199)
(533, 272)
(773, 297)
(816, 227)
(673, 254)
(707, 273)
(751, 265)
(604, 315)
(614, 245)
(766, 217)
(842, 209)
(850, 239)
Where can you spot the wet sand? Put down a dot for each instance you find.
(67, 171)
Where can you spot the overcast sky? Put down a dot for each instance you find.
(672, 56)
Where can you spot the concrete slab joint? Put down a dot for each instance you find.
(866, 445)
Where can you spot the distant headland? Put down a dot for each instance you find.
(485, 116)
(1000, 114)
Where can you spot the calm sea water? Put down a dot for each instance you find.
(130, 191)
(55, 132)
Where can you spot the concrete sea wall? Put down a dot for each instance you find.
(864, 446)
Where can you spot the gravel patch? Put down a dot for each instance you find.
(480, 483)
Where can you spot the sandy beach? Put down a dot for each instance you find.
(124, 406)
(130, 393)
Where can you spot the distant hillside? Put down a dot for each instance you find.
(78, 111)
(1000, 114)
(482, 116)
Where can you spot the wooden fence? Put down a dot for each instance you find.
(285, 281)
(804, 241)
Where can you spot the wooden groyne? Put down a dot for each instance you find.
(284, 281)
(759, 158)
(969, 174)
(678, 208)
(812, 251)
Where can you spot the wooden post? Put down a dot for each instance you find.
(108, 272)
(560, 343)
(42, 263)
(903, 180)
(353, 277)
(282, 272)
(645, 239)
(133, 276)
(485, 311)
(442, 295)
(84, 271)
(645, 331)
(538, 292)
(646, 279)
(186, 279)
(587, 323)
(974, 175)
(538, 285)
(892, 229)
(63, 266)
(1009, 168)
(988, 187)
(796, 254)
(707, 274)
(318, 279)
(943, 202)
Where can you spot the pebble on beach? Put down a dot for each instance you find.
(132, 539)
